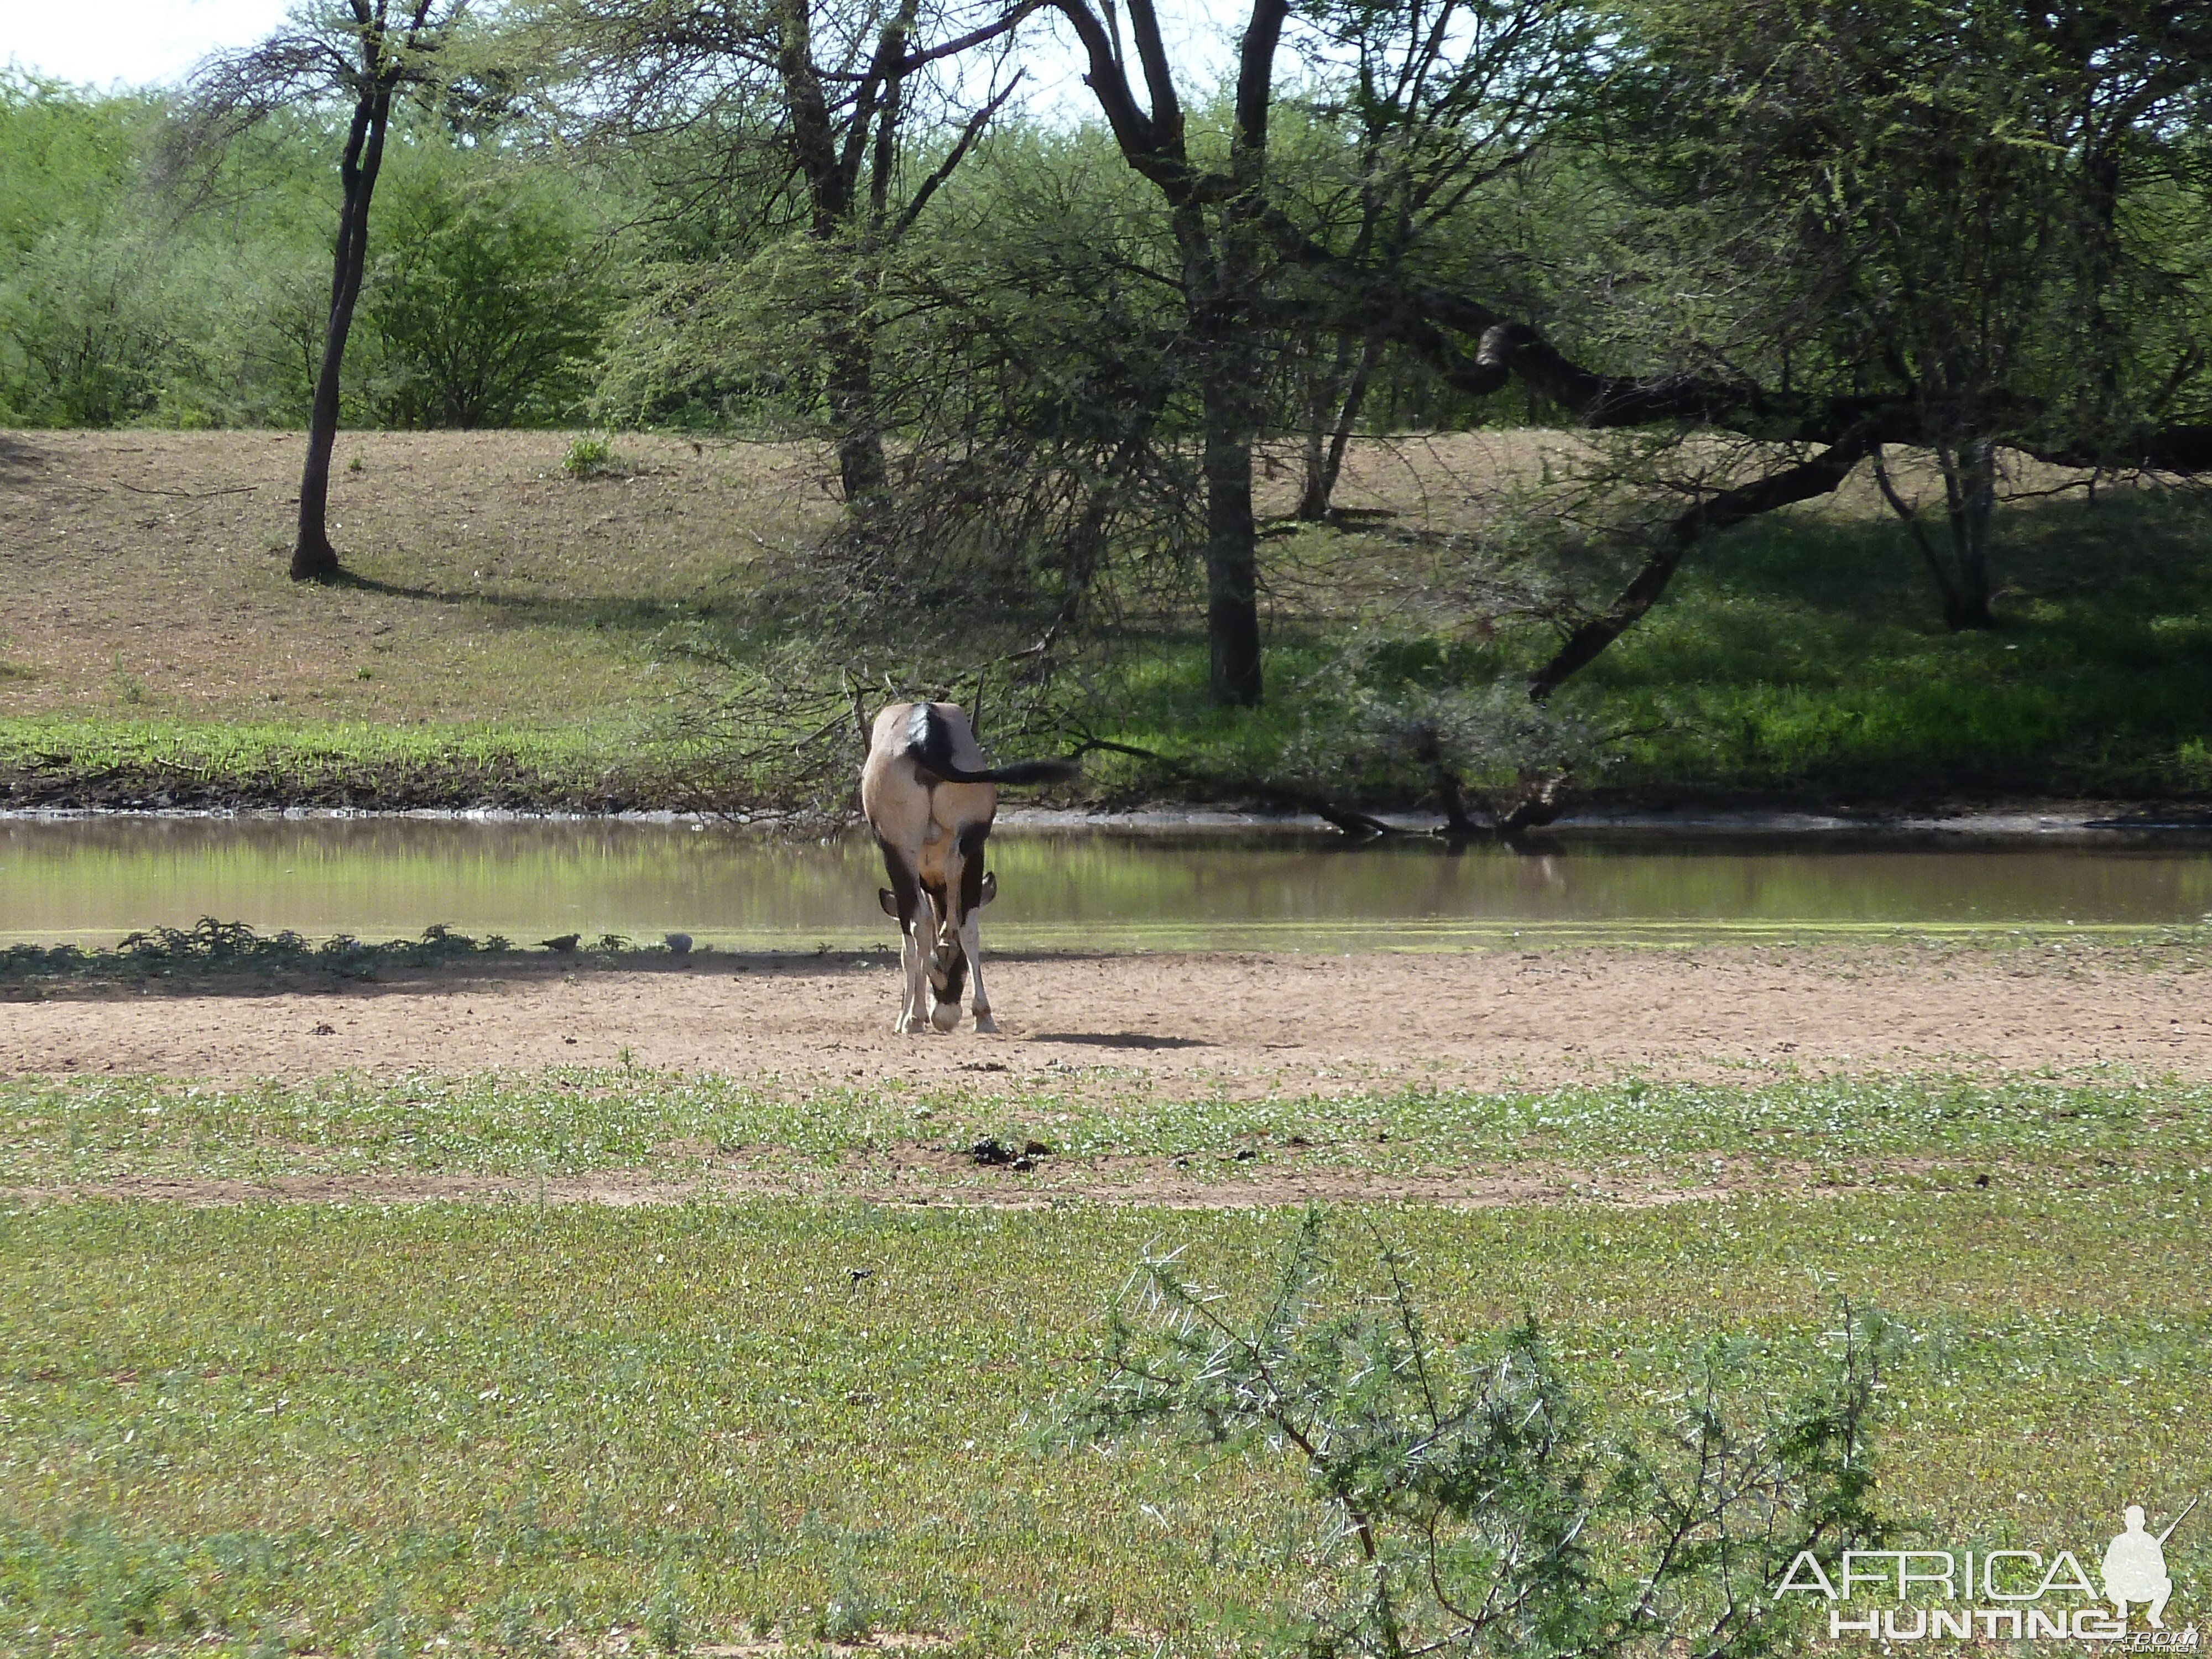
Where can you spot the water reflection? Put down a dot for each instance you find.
(93, 881)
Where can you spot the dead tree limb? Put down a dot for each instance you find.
(1821, 476)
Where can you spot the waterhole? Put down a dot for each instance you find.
(91, 881)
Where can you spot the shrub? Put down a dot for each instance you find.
(1468, 1509)
(484, 309)
(588, 457)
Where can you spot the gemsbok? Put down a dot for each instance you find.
(930, 799)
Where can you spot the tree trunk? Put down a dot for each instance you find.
(1324, 468)
(1232, 544)
(1355, 395)
(853, 416)
(1320, 400)
(1219, 274)
(1945, 589)
(1231, 421)
(1970, 490)
(313, 558)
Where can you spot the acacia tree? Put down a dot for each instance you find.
(1444, 87)
(1719, 315)
(818, 101)
(1419, 109)
(1946, 204)
(1456, 1503)
(372, 53)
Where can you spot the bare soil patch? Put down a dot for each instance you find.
(1184, 1025)
(144, 572)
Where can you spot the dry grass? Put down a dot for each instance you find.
(144, 572)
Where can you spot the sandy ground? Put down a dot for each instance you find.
(143, 572)
(1184, 1024)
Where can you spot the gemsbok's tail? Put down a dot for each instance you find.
(929, 742)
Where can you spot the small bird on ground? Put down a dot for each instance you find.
(563, 942)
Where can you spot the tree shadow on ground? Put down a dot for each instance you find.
(19, 458)
(1117, 1040)
(2128, 549)
(577, 612)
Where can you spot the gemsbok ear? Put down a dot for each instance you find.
(888, 899)
(990, 888)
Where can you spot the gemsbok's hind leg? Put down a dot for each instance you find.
(914, 1010)
(905, 903)
(971, 943)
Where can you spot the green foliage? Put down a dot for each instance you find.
(89, 330)
(210, 946)
(84, 322)
(1472, 1510)
(589, 456)
(65, 156)
(113, 307)
(729, 343)
(1955, 194)
(121, 304)
(485, 305)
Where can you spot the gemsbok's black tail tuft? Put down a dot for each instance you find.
(929, 741)
(1035, 771)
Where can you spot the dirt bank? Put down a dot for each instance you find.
(1187, 1024)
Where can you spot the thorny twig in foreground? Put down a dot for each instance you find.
(1467, 1507)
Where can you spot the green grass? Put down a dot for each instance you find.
(177, 761)
(356, 1431)
(1806, 655)
(1803, 655)
(527, 1428)
(1936, 1130)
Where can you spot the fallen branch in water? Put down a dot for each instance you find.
(1349, 820)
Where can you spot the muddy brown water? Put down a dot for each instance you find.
(92, 880)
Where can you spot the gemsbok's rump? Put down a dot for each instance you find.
(930, 799)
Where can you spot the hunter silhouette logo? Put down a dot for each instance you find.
(2135, 1566)
(2012, 1595)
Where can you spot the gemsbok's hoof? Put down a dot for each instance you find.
(985, 1025)
(911, 1025)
